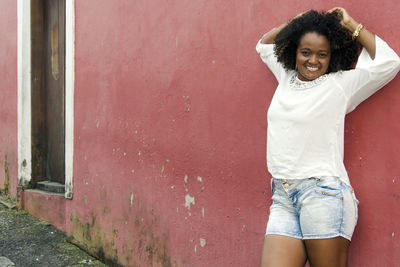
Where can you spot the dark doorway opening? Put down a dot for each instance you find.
(48, 94)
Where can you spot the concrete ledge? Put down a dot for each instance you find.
(46, 206)
(49, 186)
(6, 202)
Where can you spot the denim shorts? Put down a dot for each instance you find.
(312, 208)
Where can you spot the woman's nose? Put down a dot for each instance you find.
(313, 59)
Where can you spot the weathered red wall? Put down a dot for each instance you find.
(8, 97)
(170, 132)
(170, 104)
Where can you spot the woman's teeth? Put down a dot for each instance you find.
(312, 68)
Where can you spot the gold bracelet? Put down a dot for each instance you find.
(357, 31)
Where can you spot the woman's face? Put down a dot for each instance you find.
(312, 57)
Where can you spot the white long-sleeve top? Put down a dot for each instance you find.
(305, 134)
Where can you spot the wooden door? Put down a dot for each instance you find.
(48, 90)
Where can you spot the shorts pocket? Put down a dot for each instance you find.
(329, 187)
(354, 198)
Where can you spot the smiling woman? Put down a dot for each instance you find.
(314, 209)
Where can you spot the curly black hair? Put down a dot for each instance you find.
(344, 50)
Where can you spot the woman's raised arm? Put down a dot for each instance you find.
(364, 36)
(269, 37)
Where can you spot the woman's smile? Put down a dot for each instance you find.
(312, 68)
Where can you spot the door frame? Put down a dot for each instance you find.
(24, 93)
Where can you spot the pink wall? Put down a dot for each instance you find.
(170, 133)
(8, 97)
(168, 90)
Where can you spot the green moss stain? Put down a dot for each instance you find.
(44, 223)
(152, 248)
(138, 243)
(90, 237)
(22, 212)
(115, 232)
(6, 186)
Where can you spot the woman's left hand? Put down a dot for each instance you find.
(345, 19)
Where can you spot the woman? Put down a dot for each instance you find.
(314, 210)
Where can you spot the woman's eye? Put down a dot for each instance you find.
(304, 53)
(323, 55)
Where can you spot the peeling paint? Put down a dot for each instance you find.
(68, 190)
(202, 242)
(202, 212)
(189, 200)
(199, 179)
(132, 197)
(185, 179)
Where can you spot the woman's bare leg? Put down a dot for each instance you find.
(330, 252)
(283, 251)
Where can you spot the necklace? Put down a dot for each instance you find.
(297, 84)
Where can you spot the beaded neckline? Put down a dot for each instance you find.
(297, 84)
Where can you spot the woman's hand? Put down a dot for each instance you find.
(345, 19)
(365, 37)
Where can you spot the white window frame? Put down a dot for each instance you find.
(24, 93)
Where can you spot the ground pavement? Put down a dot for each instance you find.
(28, 241)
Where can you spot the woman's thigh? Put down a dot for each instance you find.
(285, 251)
(329, 252)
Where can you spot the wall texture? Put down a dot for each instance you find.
(170, 133)
(8, 97)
